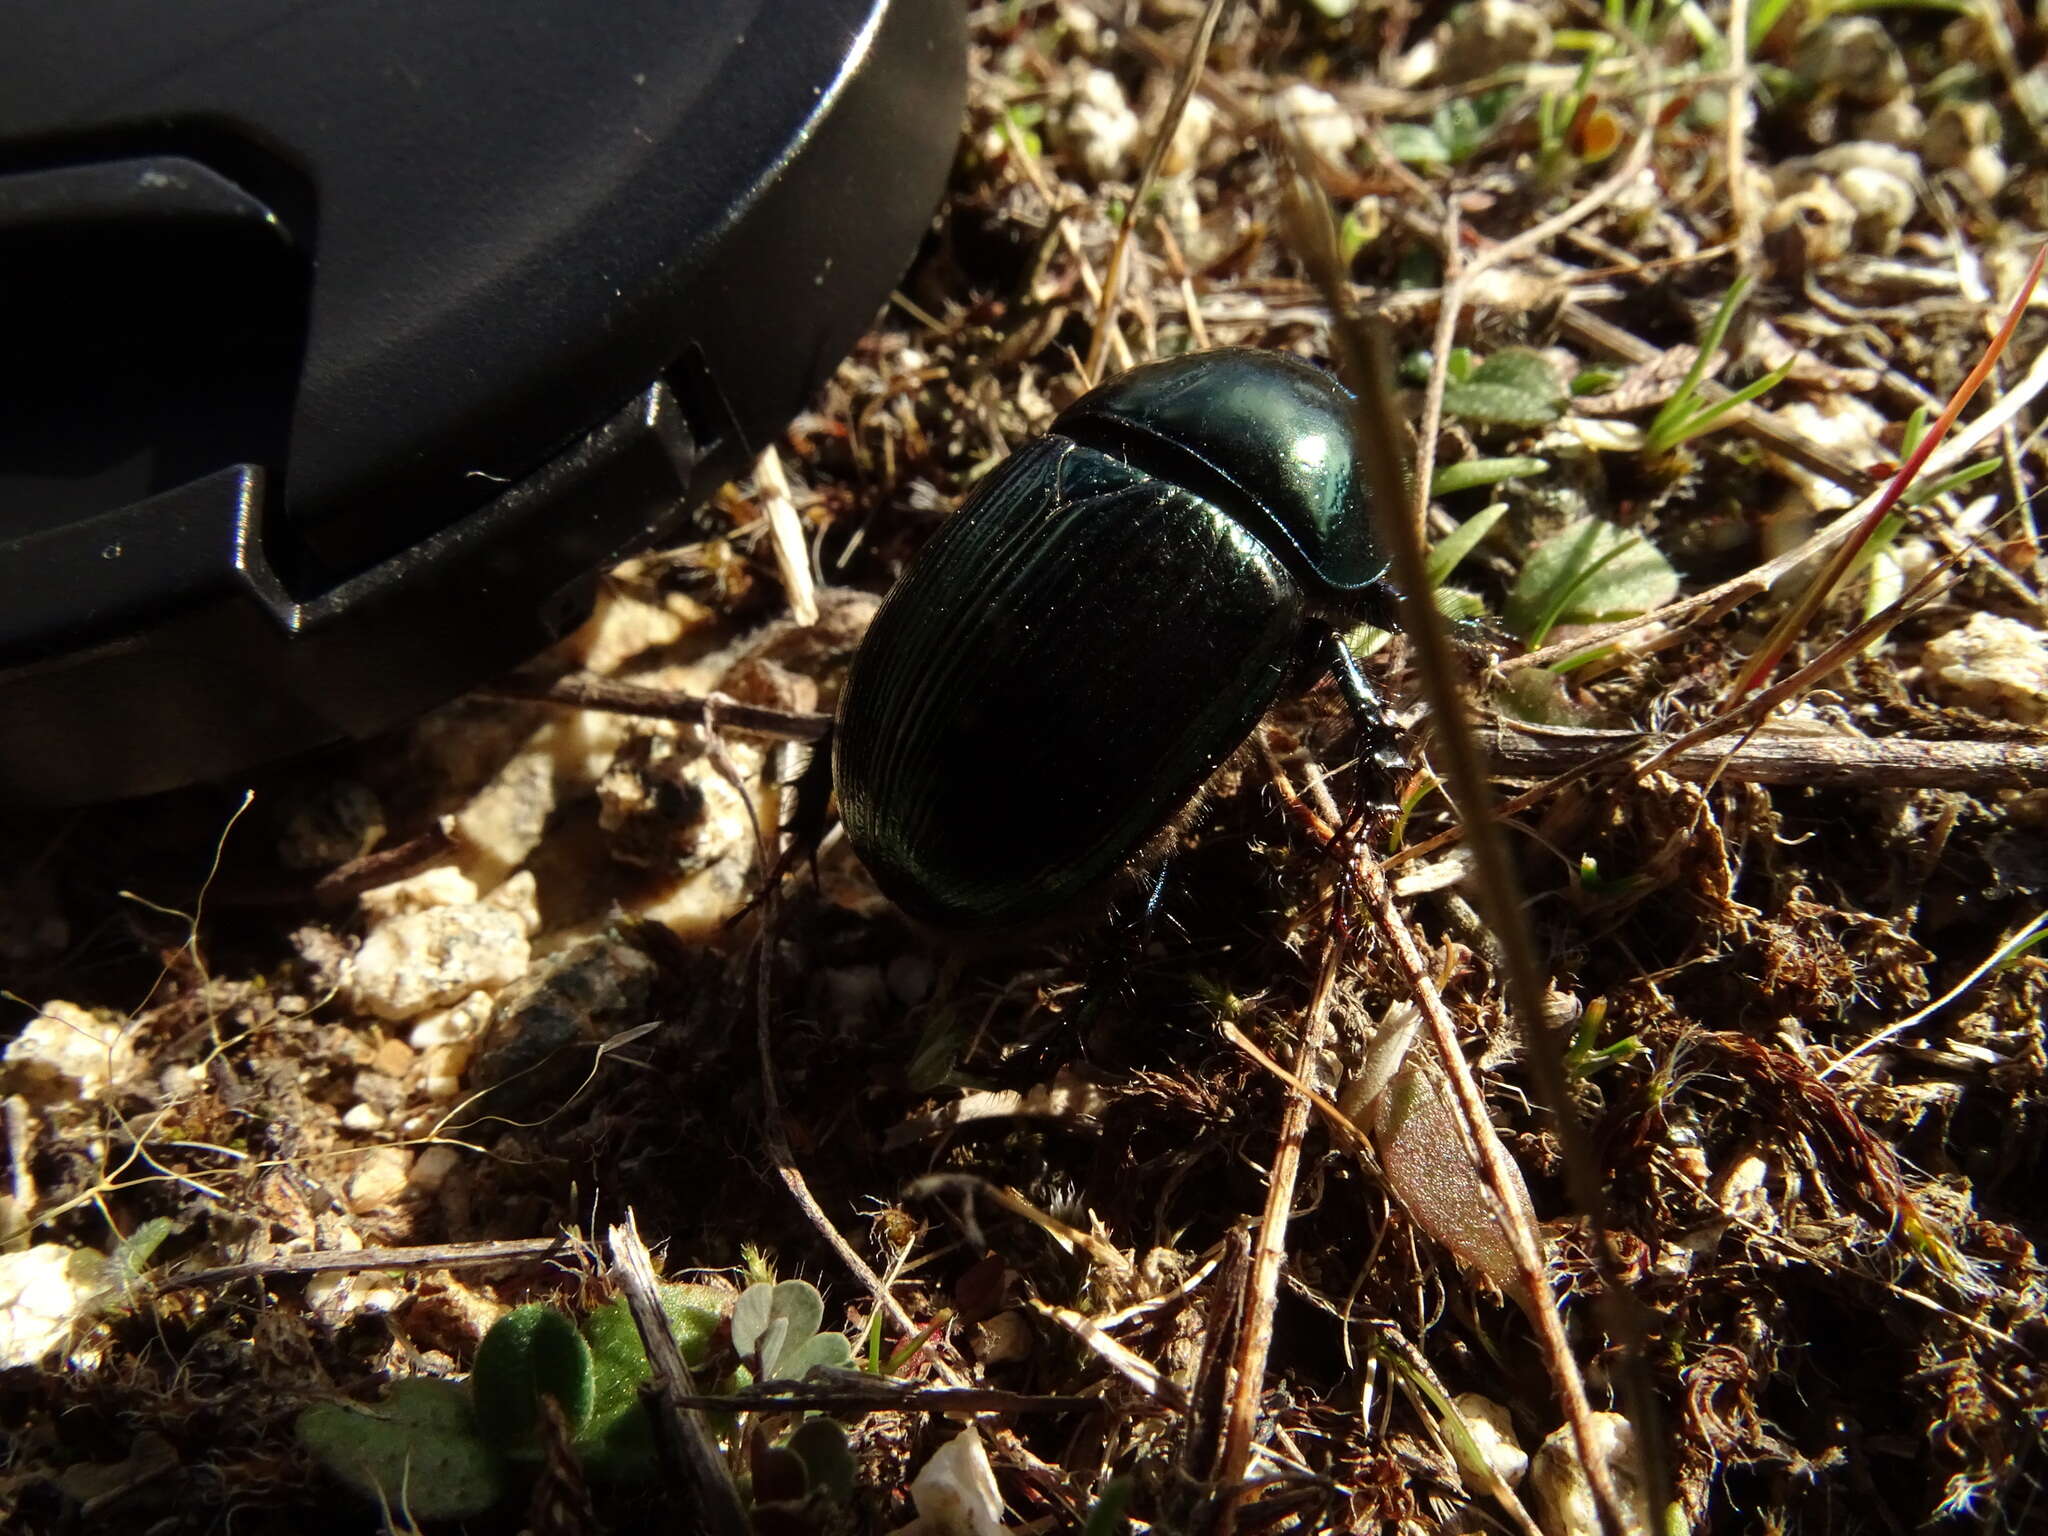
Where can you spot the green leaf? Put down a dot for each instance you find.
(827, 1349)
(1451, 550)
(1512, 388)
(1590, 572)
(1664, 435)
(419, 1452)
(618, 1357)
(529, 1352)
(778, 1326)
(1109, 1516)
(1954, 481)
(1413, 144)
(1668, 427)
(827, 1457)
(1476, 472)
(134, 1254)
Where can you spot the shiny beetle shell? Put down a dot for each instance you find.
(1099, 627)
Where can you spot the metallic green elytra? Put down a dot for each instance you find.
(1099, 627)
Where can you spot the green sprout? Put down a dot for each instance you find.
(1685, 416)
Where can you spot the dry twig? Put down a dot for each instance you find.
(688, 1450)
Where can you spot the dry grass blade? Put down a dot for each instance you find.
(1466, 777)
(1269, 1252)
(585, 691)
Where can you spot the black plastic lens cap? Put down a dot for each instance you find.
(340, 345)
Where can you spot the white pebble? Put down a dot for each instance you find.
(442, 886)
(431, 1169)
(45, 1293)
(380, 1177)
(1098, 126)
(361, 1117)
(68, 1053)
(424, 960)
(451, 1026)
(1323, 122)
(1993, 664)
(1562, 1492)
(1493, 1428)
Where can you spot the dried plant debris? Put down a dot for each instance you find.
(290, 1089)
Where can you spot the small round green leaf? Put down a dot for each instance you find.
(528, 1352)
(1590, 572)
(419, 1452)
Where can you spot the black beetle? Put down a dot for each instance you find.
(1098, 628)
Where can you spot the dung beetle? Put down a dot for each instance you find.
(1098, 628)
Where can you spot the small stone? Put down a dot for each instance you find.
(505, 820)
(379, 1176)
(1956, 128)
(620, 627)
(1854, 56)
(1856, 153)
(393, 1057)
(955, 1492)
(451, 1026)
(519, 895)
(1486, 36)
(385, 1096)
(1493, 1427)
(1326, 126)
(1191, 136)
(428, 959)
(1897, 121)
(443, 1066)
(430, 1170)
(68, 1053)
(442, 886)
(1811, 227)
(1984, 168)
(581, 995)
(1993, 664)
(1884, 206)
(363, 1118)
(1098, 126)
(1564, 1499)
(46, 1292)
(340, 1295)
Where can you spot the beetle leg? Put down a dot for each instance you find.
(810, 816)
(1381, 761)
